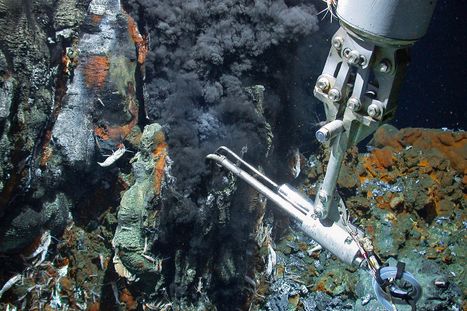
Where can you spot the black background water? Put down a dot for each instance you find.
(435, 89)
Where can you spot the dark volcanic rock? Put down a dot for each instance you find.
(29, 69)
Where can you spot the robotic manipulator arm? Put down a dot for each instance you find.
(363, 73)
(359, 86)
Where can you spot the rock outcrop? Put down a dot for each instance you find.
(34, 34)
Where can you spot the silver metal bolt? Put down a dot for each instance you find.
(338, 42)
(384, 66)
(323, 84)
(374, 111)
(319, 212)
(346, 52)
(323, 197)
(354, 104)
(319, 206)
(354, 57)
(334, 95)
(363, 60)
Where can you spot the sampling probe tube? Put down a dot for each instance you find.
(328, 234)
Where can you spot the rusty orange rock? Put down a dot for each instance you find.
(117, 133)
(61, 262)
(439, 155)
(101, 132)
(94, 306)
(160, 156)
(453, 145)
(127, 298)
(383, 157)
(47, 152)
(96, 71)
(321, 287)
(96, 19)
(141, 42)
(424, 163)
(385, 136)
(376, 165)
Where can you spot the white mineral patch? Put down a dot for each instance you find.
(99, 43)
(6, 94)
(101, 7)
(73, 132)
(65, 33)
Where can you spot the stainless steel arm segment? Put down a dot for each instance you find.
(361, 78)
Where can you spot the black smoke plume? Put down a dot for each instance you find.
(203, 54)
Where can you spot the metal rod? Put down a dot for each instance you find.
(286, 206)
(250, 167)
(324, 199)
(328, 234)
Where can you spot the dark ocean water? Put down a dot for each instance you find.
(435, 90)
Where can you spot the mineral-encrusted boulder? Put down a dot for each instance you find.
(452, 145)
(131, 243)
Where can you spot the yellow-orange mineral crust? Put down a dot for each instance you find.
(453, 145)
(377, 164)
